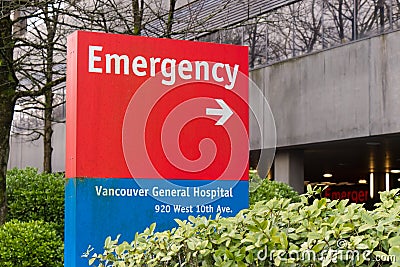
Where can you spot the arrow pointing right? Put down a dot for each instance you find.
(225, 112)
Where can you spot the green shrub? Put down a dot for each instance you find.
(264, 189)
(35, 196)
(30, 244)
(271, 233)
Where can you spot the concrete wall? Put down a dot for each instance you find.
(345, 92)
(25, 153)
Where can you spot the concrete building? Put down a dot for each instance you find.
(336, 114)
(334, 97)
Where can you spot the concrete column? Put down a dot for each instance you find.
(289, 168)
(379, 184)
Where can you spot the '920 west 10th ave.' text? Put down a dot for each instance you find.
(166, 208)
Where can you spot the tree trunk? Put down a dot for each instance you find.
(7, 112)
(170, 19)
(137, 10)
(381, 6)
(48, 132)
(7, 102)
(341, 24)
(355, 20)
(253, 40)
(51, 24)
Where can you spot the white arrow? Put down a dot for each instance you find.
(225, 112)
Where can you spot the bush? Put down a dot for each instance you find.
(35, 196)
(30, 244)
(272, 233)
(264, 189)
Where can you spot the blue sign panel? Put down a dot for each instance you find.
(97, 208)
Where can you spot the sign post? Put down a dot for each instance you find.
(157, 129)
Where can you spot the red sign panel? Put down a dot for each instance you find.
(156, 108)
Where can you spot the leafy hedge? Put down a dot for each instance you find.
(35, 196)
(33, 235)
(271, 233)
(30, 244)
(264, 189)
(40, 196)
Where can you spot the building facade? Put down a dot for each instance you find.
(329, 70)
